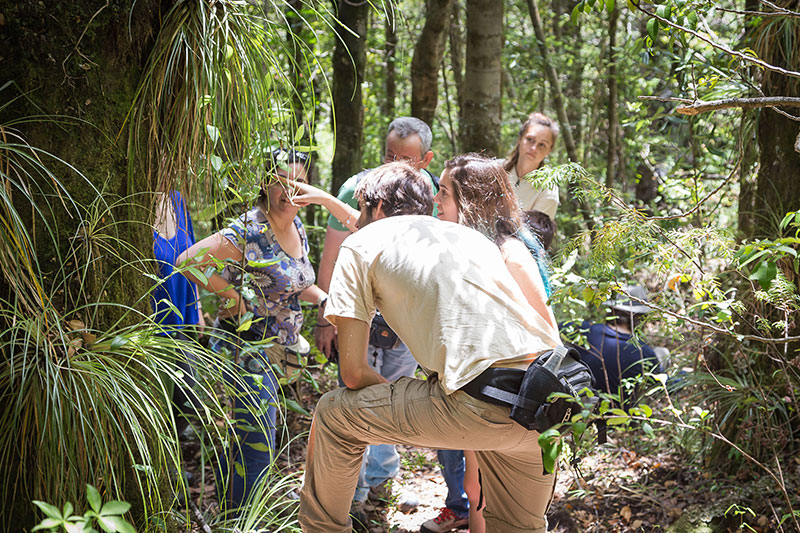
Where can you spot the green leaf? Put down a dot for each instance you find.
(550, 443)
(298, 135)
(765, 273)
(296, 407)
(258, 446)
(93, 497)
(610, 5)
(48, 523)
(108, 523)
(263, 263)
(245, 325)
(118, 342)
(115, 507)
(194, 271)
(692, 17)
(67, 511)
(216, 162)
(50, 511)
(228, 52)
(652, 29)
(239, 469)
(648, 429)
(588, 295)
(213, 133)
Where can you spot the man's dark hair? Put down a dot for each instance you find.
(541, 225)
(403, 189)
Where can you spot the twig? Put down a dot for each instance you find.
(712, 327)
(755, 60)
(668, 99)
(198, 517)
(701, 106)
(705, 199)
(782, 13)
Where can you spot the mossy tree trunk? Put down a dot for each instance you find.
(349, 61)
(76, 66)
(79, 64)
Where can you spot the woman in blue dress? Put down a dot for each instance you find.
(172, 234)
(267, 272)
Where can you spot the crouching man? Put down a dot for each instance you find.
(445, 290)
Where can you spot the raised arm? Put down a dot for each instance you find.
(201, 255)
(308, 194)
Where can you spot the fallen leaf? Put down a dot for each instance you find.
(626, 513)
(637, 524)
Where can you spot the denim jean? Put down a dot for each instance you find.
(252, 450)
(381, 461)
(452, 462)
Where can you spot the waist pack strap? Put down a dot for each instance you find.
(498, 386)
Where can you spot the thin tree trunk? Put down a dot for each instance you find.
(427, 60)
(552, 78)
(390, 80)
(349, 60)
(480, 113)
(457, 53)
(613, 118)
(558, 98)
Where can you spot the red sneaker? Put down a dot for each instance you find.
(446, 521)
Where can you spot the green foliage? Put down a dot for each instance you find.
(108, 516)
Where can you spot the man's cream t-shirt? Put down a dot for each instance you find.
(531, 198)
(446, 292)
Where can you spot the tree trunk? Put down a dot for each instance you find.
(457, 52)
(79, 62)
(67, 71)
(613, 119)
(349, 59)
(552, 78)
(390, 79)
(480, 113)
(427, 60)
(558, 98)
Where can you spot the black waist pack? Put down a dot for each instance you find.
(381, 335)
(527, 392)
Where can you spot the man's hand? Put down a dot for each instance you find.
(325, 338)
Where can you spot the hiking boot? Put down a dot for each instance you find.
(446, 521)
(383, 495)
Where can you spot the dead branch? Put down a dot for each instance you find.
(700, 106)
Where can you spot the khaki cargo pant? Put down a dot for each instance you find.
(419, 413)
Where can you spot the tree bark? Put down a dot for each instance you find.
(457, 52)
(349, 59)
(390, 79)
(613, 118)
(427, 59)
(480, 113)
(552, 78)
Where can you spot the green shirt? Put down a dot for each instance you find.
(347, 195)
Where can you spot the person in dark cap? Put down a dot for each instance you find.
(613, 354)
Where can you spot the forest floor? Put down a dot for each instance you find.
(632, 483)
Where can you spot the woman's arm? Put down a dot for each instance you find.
(201, 255)
(308, 194)
(313, 294)
(525, 272)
